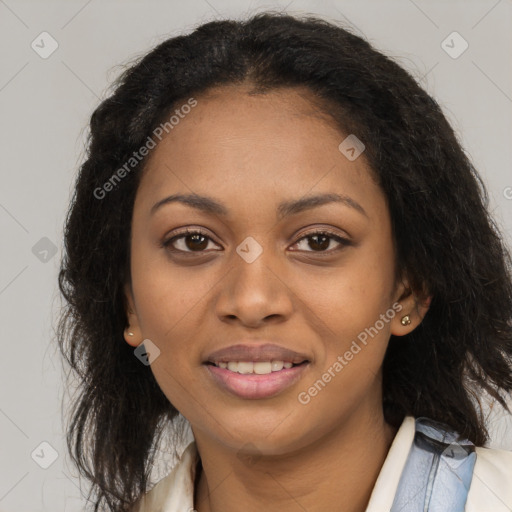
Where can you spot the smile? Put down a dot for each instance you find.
(257, 367)
(256, 380)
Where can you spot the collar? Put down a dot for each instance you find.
(175, 492)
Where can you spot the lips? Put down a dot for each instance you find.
(256, 353)
(256, 387)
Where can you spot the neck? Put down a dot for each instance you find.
(339, 468)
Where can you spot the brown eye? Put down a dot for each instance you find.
(188, 241)
(320, 241)
(195, 242)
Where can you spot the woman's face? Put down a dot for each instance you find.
(253, 277)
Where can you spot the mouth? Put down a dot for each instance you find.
(253, 380)
(255, 367)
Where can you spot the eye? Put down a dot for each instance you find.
(190, 240)
(321, 240)
(195, 240)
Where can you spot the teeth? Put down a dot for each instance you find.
(259, 367)
(277, 365)
(245, 367)
(262, 367)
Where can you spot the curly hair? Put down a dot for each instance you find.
(447, 244)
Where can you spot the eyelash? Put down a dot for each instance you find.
(189, 232)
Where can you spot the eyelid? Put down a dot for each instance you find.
(324, 230)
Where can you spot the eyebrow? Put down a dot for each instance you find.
(286, 208)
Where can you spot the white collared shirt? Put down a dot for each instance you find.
(490, 490)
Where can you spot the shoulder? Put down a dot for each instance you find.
(491, 485)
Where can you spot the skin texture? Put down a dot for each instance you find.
(250, 153)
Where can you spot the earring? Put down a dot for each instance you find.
(130, 334)
(406, 320)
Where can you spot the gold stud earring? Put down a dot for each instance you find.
(406, 320)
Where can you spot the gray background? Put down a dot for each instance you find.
(45, 107)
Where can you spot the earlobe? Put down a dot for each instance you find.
(411, 315)
(413, 310)
(131, 332)
(130, 338)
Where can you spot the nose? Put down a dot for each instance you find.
(254, 294)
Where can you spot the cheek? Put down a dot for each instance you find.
(348, 308)
(354, 293)
(171, 309)
(347, 303)
(167, 295)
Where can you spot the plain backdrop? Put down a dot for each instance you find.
(45, 106)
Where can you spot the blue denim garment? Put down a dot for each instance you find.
(438, 471)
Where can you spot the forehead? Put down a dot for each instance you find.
(279, 143)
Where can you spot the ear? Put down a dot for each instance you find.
(413, 305)
(135, 338)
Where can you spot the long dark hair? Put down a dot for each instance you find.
(447, 243)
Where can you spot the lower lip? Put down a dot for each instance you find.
(253, 386)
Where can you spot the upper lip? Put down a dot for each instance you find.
(265, 352)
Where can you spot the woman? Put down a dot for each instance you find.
(277, 240)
